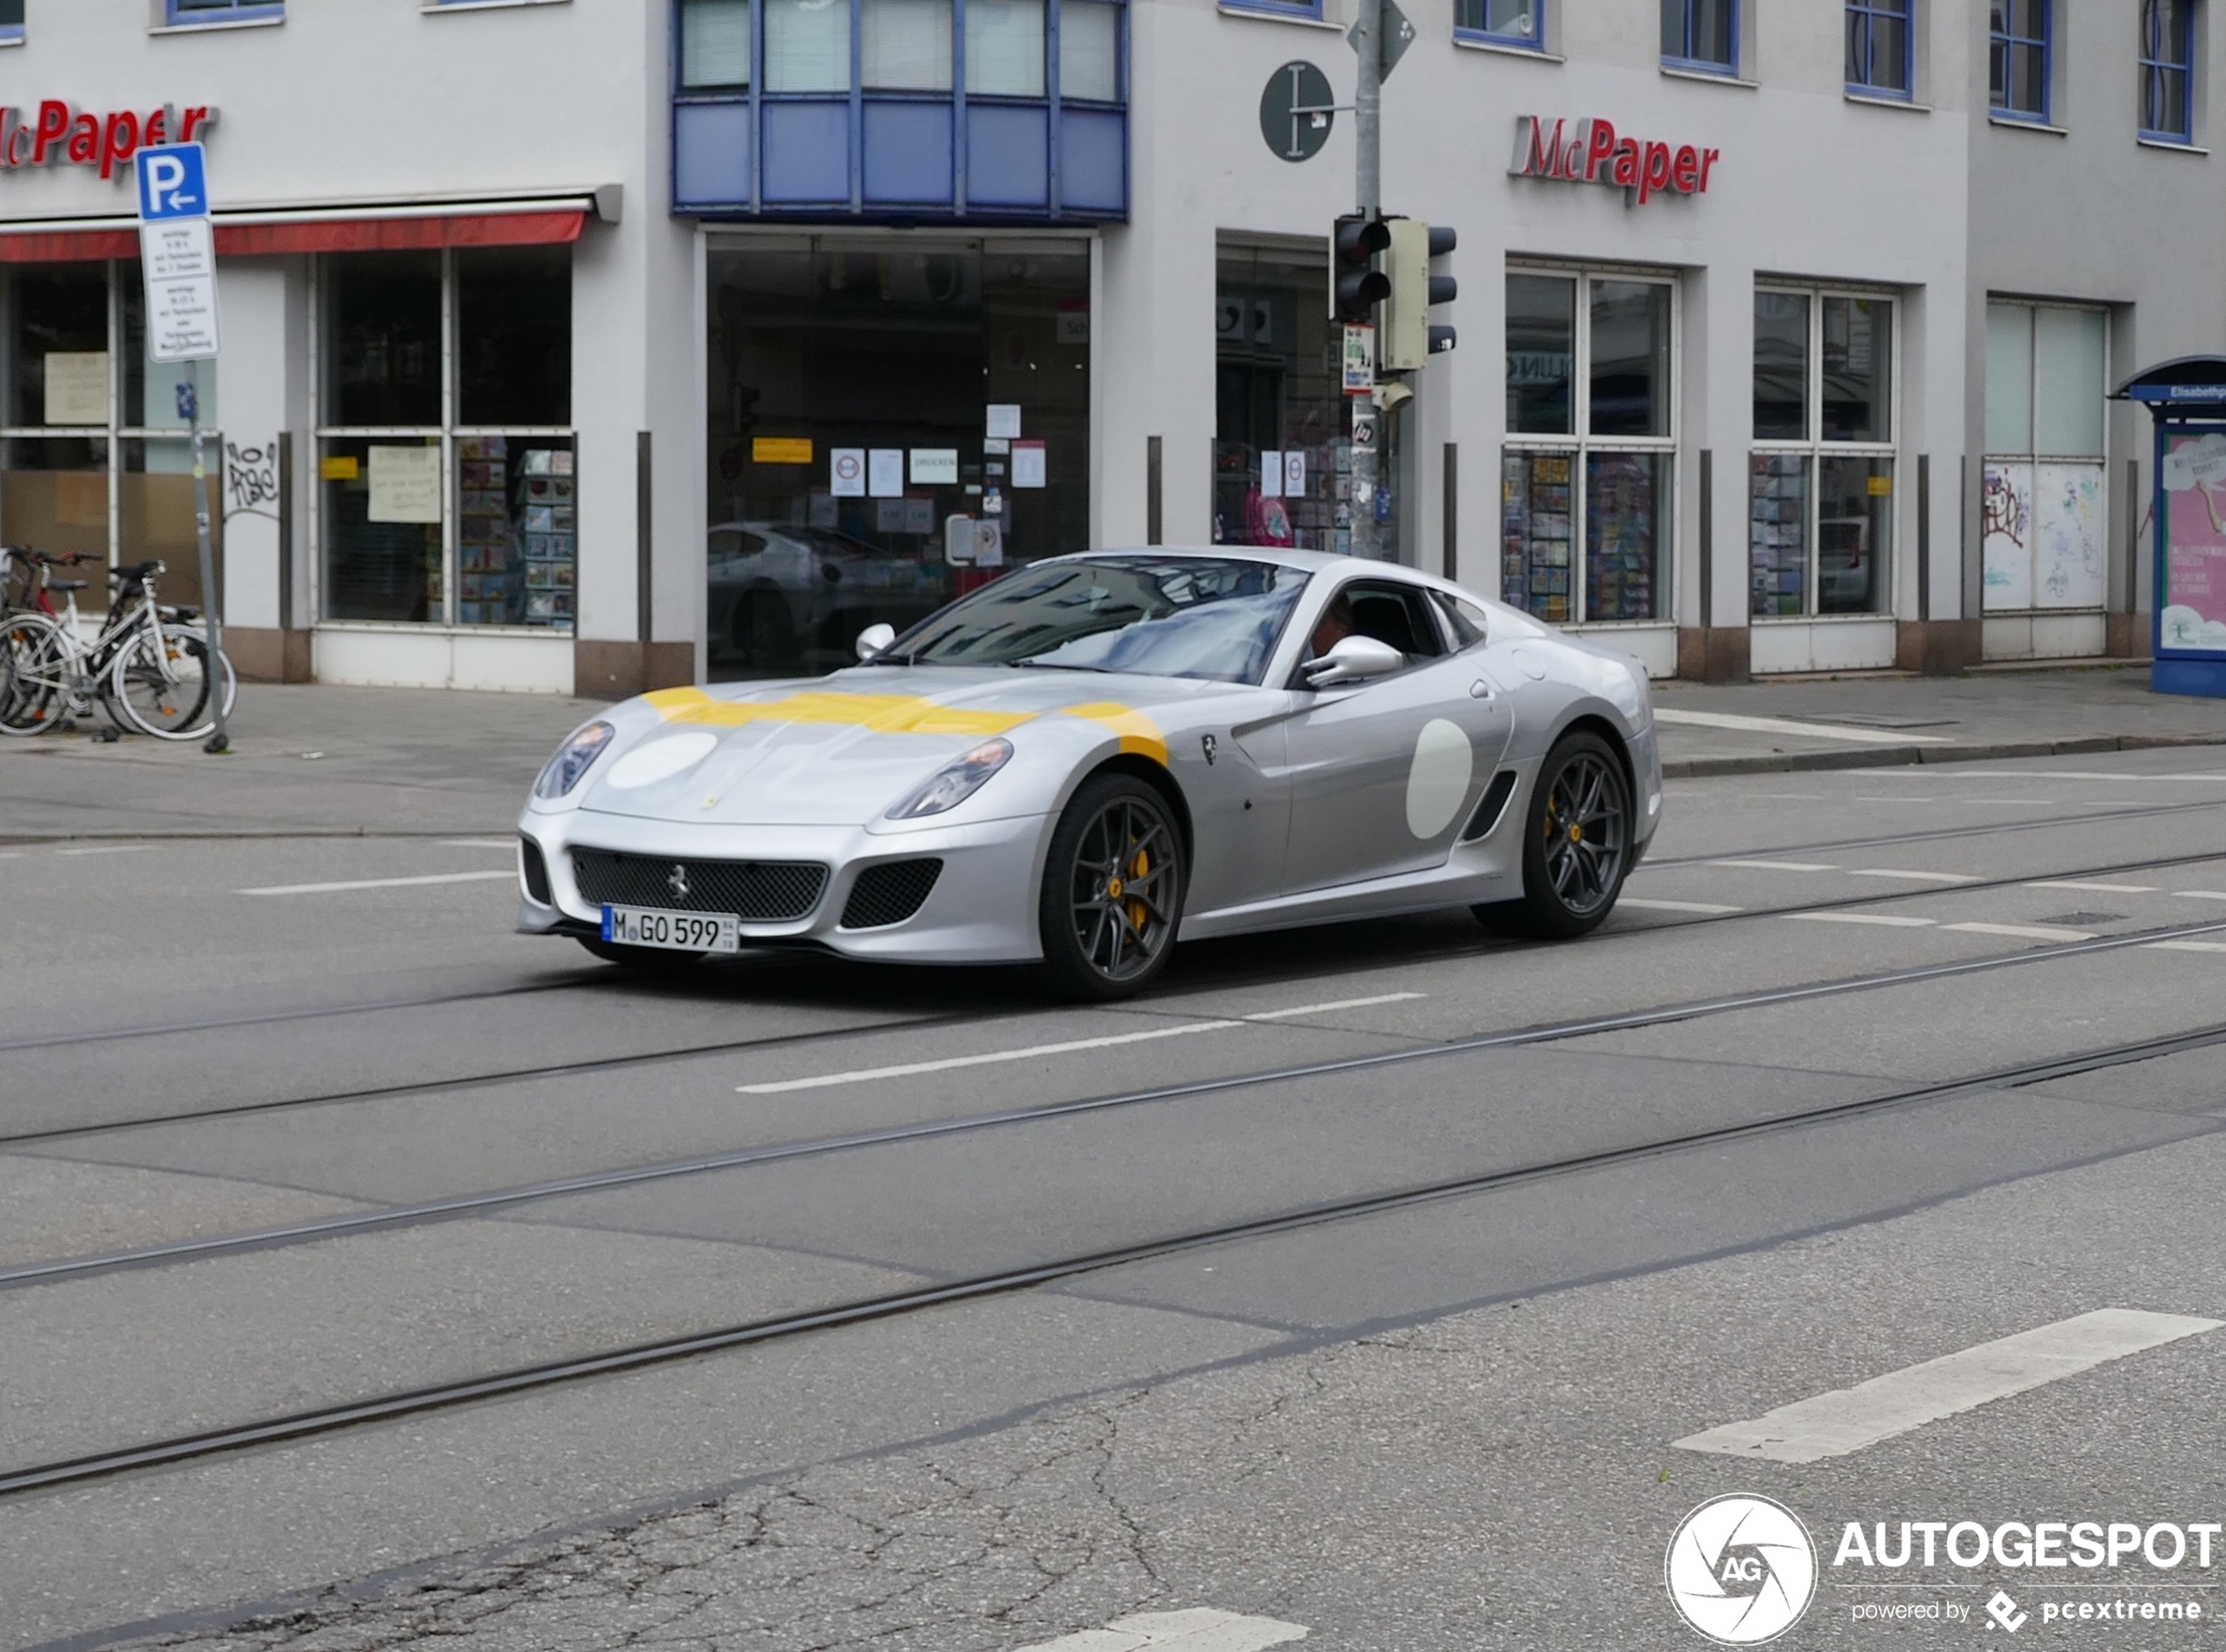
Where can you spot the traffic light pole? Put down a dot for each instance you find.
(1367, 115)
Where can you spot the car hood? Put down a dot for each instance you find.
(841, 750)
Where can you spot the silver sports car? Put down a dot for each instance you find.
(1100, 755)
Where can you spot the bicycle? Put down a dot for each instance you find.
(145, 666)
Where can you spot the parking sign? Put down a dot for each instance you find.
(177, 252)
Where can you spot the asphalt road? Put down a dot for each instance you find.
(1849, 1084)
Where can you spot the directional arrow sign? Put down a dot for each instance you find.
(1399, 34)
(1295, 112)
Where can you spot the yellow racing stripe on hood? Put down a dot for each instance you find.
(884, 713)
(897, 714)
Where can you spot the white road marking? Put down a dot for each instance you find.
(989, 1058)
(1201, 1630)
(1786, 726)
(2187, 946)
(2201, 894)
(2062, 774)
(1915, 877)
(378, 882)
(2028, 932)
(479, 843)
(1675, 906)
(110, 848)
(1927, 801)
(2045, 802)
(1885, 920)
(1848, 1419)
(1784, 797)
(1336, 1003)
(2096, 889)
(1778, 866)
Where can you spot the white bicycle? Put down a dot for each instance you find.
(147, 666)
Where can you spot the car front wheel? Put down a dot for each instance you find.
(1113, 890)
(1577, 843)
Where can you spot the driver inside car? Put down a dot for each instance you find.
(1335, 627)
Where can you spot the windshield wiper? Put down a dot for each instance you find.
(1058, 665)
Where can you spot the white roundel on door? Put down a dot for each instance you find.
(1438, 779)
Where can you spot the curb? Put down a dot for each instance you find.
(1884, 756)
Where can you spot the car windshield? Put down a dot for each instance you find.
(1214, 618)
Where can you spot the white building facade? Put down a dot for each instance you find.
(585, 345)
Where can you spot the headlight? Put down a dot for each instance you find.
(957, 782)
(571, 761)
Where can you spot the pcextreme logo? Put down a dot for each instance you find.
(1741, 1570)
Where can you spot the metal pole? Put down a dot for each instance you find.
(1367, 110)
(218, 741)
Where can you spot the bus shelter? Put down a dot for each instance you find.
(2187, 402)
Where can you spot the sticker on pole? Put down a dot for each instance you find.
(177, 252)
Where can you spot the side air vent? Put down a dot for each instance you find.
(1491, 806)
(537, 871)
(889, 893)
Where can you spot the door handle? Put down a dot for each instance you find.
(1479, 690)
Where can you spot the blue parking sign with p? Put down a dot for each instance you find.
(174, 182)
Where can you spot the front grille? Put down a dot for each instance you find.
(537, 871)
(889, 893)
(755, 891)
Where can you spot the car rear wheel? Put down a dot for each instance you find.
(1577, 843)
(1113, 890)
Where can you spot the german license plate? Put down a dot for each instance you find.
(676, 931)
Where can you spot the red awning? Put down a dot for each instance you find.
(254, 233)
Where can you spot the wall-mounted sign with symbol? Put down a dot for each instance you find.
(1359, 359)
(1364, 429)
(1294, 472)
(1296, 110)
(847, 473)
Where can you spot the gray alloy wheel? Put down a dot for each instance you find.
(1113, 890)
(1577, 843)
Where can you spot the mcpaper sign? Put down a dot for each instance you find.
(1591, 151)
(58, 133)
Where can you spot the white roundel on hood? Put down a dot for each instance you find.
(661, 760)
(1438, 778)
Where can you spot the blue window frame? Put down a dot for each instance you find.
(2168, 70)
(185, 13)
(1277, 7)
(2020, 58)
(11, 22)
(1701, 34)
(1502, 22)
(1879, 47)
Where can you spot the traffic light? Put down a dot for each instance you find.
(1355, 285)
(1408, 338)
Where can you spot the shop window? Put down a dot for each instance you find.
(1701, 34)
(2045, 536)
(2020, 48)
(891, 424)
(1879, 48)
(1004, 48)
(1090, 51)
(1502, 22)
(11, 22)
(93, 456)
(1282, 425)
(714, 45)
(446, 484)
(807, 45)
(2167, 70)
(1586, 480)
(1820, 479)
(904, 45)
(184, 13)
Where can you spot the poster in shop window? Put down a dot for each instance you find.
(2194, 532)
(2070, 549)
(2006, 518)
(76, 387)
(405, 485)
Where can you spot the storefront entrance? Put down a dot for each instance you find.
(891, 423)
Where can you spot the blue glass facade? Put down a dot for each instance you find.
(1034, 131)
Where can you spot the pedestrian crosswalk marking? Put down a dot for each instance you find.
(1203, 1629)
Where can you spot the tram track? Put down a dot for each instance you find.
(313, 1422)
(390, 1217)
(1164, 1000)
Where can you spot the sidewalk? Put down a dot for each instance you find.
(309, 760)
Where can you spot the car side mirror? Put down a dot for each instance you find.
(873, 639)
(1353, 660)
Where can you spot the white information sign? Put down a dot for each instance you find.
(1294, 472)
(1271, 473)
(1003, 420)
(847, 473)
(405, 485)
(178, 253)
(76, 387)
(1028, 464)
(931, 465)
(885, 472)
